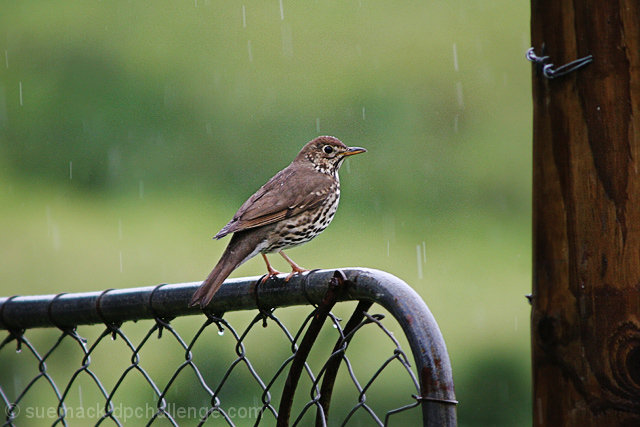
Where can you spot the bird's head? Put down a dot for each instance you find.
(326, 154)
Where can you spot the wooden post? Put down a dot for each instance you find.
(586, 216)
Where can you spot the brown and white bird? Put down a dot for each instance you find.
(293, 207)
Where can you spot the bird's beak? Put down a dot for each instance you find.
(354, 150)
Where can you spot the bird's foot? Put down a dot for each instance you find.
(270, 273)
(295, 270)
(270, 270)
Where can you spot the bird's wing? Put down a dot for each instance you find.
(285, 195)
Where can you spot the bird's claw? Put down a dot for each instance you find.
(294, 272)
(271, 273)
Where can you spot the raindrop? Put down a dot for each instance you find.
(418, 250)
(221, 332)
(55, 235)
(455, 57)
(70, 170)
(318, 124)
(49, 221)
(20, 89)
(249, 49)
(244, 17)
(80, 395)
(455, 123)
(287, 41)
(459, 94)
(364, 114)
(3, 107)
(540, 408)
(281, 11)
(334, 326)
(347, 165)
(388, 245)
(141, 189)
(113, 161)
(120, 261)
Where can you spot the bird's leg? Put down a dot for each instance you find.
(295, 268)
(270, 270)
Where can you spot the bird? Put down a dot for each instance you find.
(293, 207)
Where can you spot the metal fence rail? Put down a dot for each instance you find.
(321, 289)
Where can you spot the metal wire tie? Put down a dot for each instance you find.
(434, 399)
(552, 73)
(112, 326)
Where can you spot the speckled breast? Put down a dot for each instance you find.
(304, 227)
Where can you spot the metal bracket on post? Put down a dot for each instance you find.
(548, 69)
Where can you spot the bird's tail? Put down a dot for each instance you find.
(238, 251)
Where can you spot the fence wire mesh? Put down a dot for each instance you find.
(219, 369)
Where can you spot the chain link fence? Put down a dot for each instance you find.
(228, 366)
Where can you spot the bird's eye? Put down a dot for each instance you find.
(327, 149)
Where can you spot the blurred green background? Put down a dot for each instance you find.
(131, 131)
